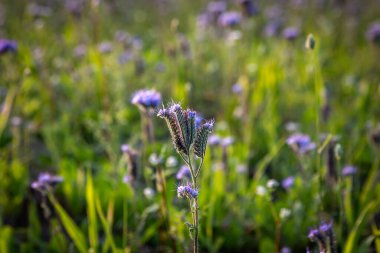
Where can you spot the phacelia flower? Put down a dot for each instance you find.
(225, 142)
(373, 33)
(290, 33)
(146, 99)
(214, 140)
(229, 19)
(287, 183)
(186, 191)
(286, 250)
(248, 8)
(184, 172)
(7, 46)
(237, 89)
(301, 143)
(46, 182)
(349, 170)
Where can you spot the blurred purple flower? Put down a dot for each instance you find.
(229, 19)
(216, 7)
(288, 183)
(46, 182)
(349, 170)
(146, 98)
(237, 89)
(290, 33)
(214, 140)
(184, 172)
(80, 50)
(127, 179)
(105, 47)
(286, 250)
(301, 143)
(272, 29)
(225, 142)
(373, 33)
(7, 46)
(248, 7)
(125, 57)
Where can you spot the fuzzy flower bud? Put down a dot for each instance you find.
(201, 138)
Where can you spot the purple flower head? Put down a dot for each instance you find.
(301, 143)
(105, 47)
(248, 7)
(198, 120)
(229, 19)
(127, 179)
(146, 99)
(315, 235)
(373, 33)
(7, 46)
(290, 33)
(326, 227)
(46, 182)
(216, 7)
(225, 142)
(80, 50)
(237, 89)
(214, 140)
(186, 191)
(287, 183)
(349, 170)
(184, 172)
(272, 29)
(286, 250)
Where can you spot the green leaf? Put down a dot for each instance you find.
(72, 229)
(91, 213)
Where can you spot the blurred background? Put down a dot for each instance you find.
(293, 87)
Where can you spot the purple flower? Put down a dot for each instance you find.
(105, 47)
(127, 179)
(183, 172)
(225, 142)
(349, 170)
(290, 33)
(146, 99)
(216, 7)
(315, 235)
(45, 182)
(248, 7)
(186, 191)
(326, 227)
(7, 46)
(229, 19)
(214, 140)
(286, 250)
(373, 33)
(287, 183)
(237, 89)
(271, 29)
(301, 143)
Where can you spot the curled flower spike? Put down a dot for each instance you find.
(185, 191)
(201, 138)
(46, 182)
(146, 99)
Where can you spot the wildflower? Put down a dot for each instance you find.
(260, 190)
(214, 140)
(284, 213)
(155, 159)
(183, 172)
(272, 183)
(290, 33)
(216, 7)
(201, 138)
(125, 57)
(237, 89)
(7, 46)
(349, 170)
(324, 237)
(287, 183)
(46, 182)
(171, 161)
(291, 126)
(146, 99)
(185, 191)
(241, 168)
(301, 143)
(286, 250)
(225, 142)
(373, 33)
(272, 28)
(229, 19)
(105, 47)
(149, 193)
(80, 50)
(248, 7)
(127, 179)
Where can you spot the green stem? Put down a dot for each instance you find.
(195, 204)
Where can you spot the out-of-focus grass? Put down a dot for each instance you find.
(66, 109)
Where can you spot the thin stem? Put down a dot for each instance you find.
(195, 206)
(199, 168)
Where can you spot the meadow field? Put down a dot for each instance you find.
(107, 107)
